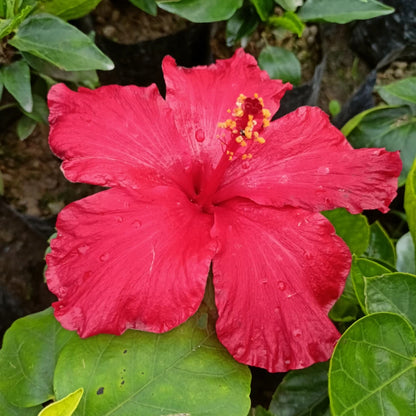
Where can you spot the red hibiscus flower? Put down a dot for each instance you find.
(204, 177)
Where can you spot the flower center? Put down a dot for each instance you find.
(242, 133)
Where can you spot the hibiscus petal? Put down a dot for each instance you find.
(116, 136)
(276, 276)
(306, 162)
(201, 96)
(124, 259)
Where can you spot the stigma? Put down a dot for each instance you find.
(248, 120)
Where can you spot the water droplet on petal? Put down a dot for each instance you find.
(104, 257)
(83, 249)
(281, 285)
(297, 333)
(264, 281)
(200, 135)
(287, 362)
(323, 170)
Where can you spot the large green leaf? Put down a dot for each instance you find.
(16, 80)
(67, 9)
(373, 368)
(59, 43)
(353, 229)
(183, 371)
(399, 92)
(303, 392)
(394, 292)
(27, 360)
(391, 127)
(405, 249)
(65, 406)
(280, 64)
(410, 201)
(381, 247)
(7, 409)
(202, 10)
(360, 269)
(341, 11)
(149, 6)
(242, 23)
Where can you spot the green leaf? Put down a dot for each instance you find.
(360, 270)
(391, 127)
(303, 392)
(353, 229)
(405, 249)
(65, 406)
(261, 411)
(289, 21)
(59, 43)
(149, 6)
(8, 409)
(394, 292)
(200, 11)
(372, 369)
(67, 9)
(185, 370)
(9, 25)
(410, 201)
(25, 127)
(27, 360)
(290, 5)
(16, 79)
(280, 64)
(40, 110)
(381, 246)
(399, 92)
(334, 107)
(341, 11)
(264, 8)
(242, 24)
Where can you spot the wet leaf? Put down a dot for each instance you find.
(372, 370)
(65, 406)
(303, 392)
(59, 43)
(341, 11)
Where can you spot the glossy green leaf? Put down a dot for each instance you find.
(405, 249)
(341, 11)
(291, 5)
(391, 127)
(242, 24)
(16, 80)
(202, 10)
(280, 63)
(399, 92)
(410, 201)
(25, 127)
(303, 392)
(27, 360)
(59, 43)
(185, 370)
(65, 406)
(373, 368)
(394, 292)
(381, 246)
(360, 269)
(353, 229)
(67, 9)
(289, 21)
(149, 6)
(264, 8)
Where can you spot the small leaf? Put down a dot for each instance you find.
(353, 229)
(334, 107)
(185, 370)
(9, 25)
(280, 64)
(264, 8)
(372, 369)
(16, 80)
(67, 9)
(242, 24)
(399, 92)
(27, 360)
(341, 11)
(303, 392)
(25, 127)
(40, 110)
(290, 5)
(391, 127)
(410, 201)
(149, 6)
(261, 411)
(59, 43)
(65, 406)
(289, 21)
(394, 292)
(405, 249)
(201, 11)
(381, 247)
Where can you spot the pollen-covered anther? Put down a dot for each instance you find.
(246, 156)
(240, 140)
